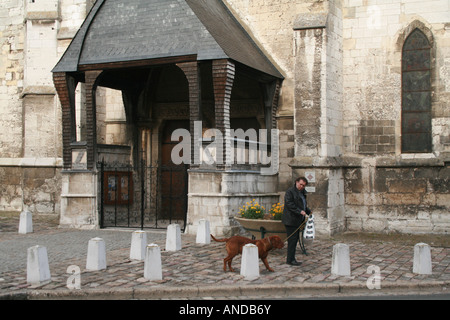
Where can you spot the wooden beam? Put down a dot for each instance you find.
(138, 63)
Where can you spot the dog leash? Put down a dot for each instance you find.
(302, 225)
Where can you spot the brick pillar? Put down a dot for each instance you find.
(65, 86)
(192, 73)
(91, 117)
(223, 78)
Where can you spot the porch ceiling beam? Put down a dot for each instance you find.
(254, 74)
(125, 79)
(138, 63)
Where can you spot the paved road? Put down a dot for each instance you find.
(196, 271)
(62, 245)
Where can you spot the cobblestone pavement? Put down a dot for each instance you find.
(195, 272)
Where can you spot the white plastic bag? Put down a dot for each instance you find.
(310, 230)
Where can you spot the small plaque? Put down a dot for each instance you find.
(310, 189)
(79, 159)
(311, 176)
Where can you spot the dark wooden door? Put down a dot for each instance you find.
(174, 178)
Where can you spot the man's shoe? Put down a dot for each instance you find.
(294, 263)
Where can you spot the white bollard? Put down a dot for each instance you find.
(173, 239)
(26, 222)
(38, 271)
(341, 260)
(422, 259)
(250, 262)
(152, 263)
(96, 256)
(138, 245)
(203, 232)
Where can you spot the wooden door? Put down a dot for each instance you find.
(174, 178)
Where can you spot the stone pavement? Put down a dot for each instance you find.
(196, 271)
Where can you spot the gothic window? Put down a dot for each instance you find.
(416, 94)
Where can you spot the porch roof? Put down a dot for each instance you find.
(135, 30)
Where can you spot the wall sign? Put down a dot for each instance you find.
(311, 176)
(79, 159)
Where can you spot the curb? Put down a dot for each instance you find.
(254, 291)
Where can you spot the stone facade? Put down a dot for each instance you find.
(346, 92)
(339, 115)
(29, 114)
(405, 197)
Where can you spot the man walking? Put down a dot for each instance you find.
(295, 211)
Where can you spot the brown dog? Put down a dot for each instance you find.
(234, 247)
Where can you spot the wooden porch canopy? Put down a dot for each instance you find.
(135, 34)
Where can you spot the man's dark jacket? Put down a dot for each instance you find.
(293, 205)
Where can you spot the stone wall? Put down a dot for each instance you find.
(33, 35)
(373, 37)
(391, 191)
(29, 117)
(79, 193)
(398, 197)
(12, 42)
(218, 196)
(30, 184)
(277, 39)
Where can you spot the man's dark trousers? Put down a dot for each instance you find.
(292, 242)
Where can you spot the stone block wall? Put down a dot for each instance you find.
(371, 137)
(390, 191)
(42, 126)
(404, 198)
(218, 196)
(11, 191)
(326, 195)
(12, 45)
(287, 151)
(30, 184)
(33, 35)
(373, 37)
(343, 88)
(79, 193)
(29, 144)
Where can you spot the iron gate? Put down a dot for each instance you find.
(142, 197)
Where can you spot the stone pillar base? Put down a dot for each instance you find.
(79, 200)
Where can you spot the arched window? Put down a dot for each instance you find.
(416, 94)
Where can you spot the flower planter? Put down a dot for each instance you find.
(261, 228)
